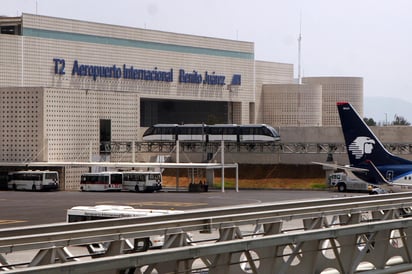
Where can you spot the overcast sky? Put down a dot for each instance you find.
(364, 38)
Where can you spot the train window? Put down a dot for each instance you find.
(247, 131)
(266, 131)
(167, 130)
(184, 130)
(215, 130)
(158, 130)
(149, 131)
(197, 130)
(191, 130)
(229, 130)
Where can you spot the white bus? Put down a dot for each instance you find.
(101, 181)
(142, 181)
(100, 212)
(33, 180)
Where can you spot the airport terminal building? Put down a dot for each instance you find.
(66, 86)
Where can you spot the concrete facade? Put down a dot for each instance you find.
(265, 73)
(313, 103)
(337, 89)
(292, 105)
(60, 77)
(30, 60)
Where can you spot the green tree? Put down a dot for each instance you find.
(400, 121)
(369, 121)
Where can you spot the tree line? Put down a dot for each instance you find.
(397, 121)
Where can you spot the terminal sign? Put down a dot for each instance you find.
(129, 72)
(196, 78)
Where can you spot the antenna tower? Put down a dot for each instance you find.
(299, 50)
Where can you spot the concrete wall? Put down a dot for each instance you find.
(302, 136)
(269, 73)
(292, 105)
(336, 89)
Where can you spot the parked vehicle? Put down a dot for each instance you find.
(101, 212)
(345, 181)
(33, 180)
(101, 181)
(142, 181)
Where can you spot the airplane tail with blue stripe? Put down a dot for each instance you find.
(361, 143)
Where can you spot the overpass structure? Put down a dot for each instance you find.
(368, 234)
(268, 147)
(204, 158)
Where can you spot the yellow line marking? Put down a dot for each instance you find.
(6, 222)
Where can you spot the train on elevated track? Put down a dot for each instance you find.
(211, 133)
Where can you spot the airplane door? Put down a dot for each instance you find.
(389, 175)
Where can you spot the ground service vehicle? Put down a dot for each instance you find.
(142, 181)
(100, 212)
(101, 181)
(33, 180)
(211, 133)
(346, 182)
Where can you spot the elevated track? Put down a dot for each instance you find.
(246, 147)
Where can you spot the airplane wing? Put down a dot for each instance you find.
(380, 179)
(336, 166)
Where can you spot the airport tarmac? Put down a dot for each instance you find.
(24, 208)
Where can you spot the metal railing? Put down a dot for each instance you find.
(345, 235)
(242, 147)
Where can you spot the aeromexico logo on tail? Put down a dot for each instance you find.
(360, 146)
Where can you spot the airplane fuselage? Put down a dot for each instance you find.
(400, 176)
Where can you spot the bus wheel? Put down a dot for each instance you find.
(136, 188)
(33, 188)
(14, 187)
(341, 187)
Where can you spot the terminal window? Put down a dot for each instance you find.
(182, 112)
(105, 135)
(13, 30)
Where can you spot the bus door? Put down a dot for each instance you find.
(116, 181)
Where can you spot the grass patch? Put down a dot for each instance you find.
(269, 183)
(318, 186)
